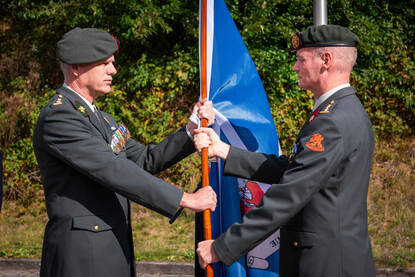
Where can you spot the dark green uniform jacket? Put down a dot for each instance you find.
(87, 188)
(318, 198)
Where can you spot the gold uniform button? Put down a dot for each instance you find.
(96, 227)
(295, 244)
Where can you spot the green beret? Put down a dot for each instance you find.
(323, 36)
(87, 45)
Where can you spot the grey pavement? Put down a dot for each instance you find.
(30, 268)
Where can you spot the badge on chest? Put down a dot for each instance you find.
(119, 138)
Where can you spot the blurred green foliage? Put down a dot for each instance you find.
(158, 74)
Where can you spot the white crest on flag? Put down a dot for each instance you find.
(256, 258)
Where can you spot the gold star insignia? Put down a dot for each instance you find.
(82, 110)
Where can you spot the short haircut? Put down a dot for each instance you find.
(345, 55)
(64, 68)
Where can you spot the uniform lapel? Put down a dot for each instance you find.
(90, 114)
(105, 125)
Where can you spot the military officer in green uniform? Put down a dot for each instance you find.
(91, 168)
(318, 196)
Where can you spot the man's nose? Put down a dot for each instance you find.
(295, 67)
(112, 70)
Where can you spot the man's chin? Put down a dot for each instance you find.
(301, 85)
(103, 92)
(107, 90)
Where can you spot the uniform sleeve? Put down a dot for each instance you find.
(319, 153)
(67, 136)
(155, 158)
(254, 166)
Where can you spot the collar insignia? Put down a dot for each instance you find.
(315, 144)
(81, 108)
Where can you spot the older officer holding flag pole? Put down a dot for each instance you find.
(319, 194)
(91, 168)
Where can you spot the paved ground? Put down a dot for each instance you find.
(35, 273)
(30, 268)
(19, 273)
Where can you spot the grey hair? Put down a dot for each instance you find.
(346, 55)
(64, 68)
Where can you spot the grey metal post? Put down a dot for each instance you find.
(1, 178)
(320, 12)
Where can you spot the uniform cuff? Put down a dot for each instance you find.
(223, 252)
(188, 133)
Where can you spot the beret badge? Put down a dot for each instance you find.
(295, 41)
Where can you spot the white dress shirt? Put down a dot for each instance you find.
(324, 96)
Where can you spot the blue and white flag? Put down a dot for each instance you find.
(243, 119)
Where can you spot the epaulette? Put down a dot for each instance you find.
(58, 101)
(328, 108)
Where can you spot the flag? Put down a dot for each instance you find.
(244, 120)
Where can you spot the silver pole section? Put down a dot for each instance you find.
(320, 12)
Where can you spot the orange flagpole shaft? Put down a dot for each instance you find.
(207, 228)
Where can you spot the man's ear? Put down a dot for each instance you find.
(74, 69)
(327, 58)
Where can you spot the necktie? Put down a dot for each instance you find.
(96, 113)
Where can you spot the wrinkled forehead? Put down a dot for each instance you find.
(305, 52)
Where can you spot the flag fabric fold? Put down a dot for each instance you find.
(244, 120)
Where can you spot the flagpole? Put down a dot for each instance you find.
(207, 228)
(320, 12)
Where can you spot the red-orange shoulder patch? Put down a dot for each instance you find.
(315, 143)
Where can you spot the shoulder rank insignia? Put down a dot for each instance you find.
(315, 143)
(119, 138)
(81, 108)
(58, 101)
(327, 108)
(106, 119)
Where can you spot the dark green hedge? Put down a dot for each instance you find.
(158, 77)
